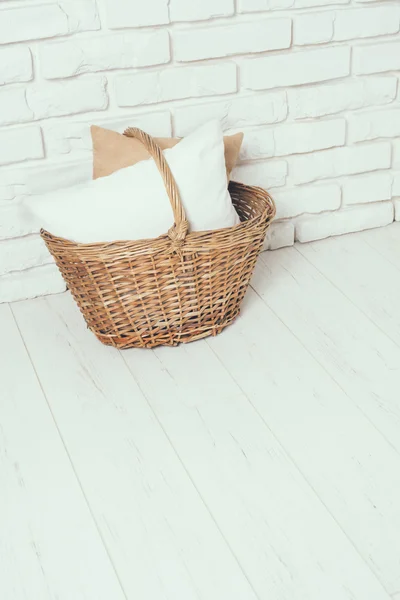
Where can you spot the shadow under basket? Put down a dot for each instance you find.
(179, 287)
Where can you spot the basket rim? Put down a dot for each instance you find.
(195, 241)
(144, 245)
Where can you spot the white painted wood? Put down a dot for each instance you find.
(163, 541)
(354, 351)
(288, 543)
(326, 424)
(363, 275)
(49, 545)
(352, 468)
(386, 241)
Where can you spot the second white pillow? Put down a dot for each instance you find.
(132, 203)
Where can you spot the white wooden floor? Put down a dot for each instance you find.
(260, 464)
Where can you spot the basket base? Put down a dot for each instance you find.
(170, 338)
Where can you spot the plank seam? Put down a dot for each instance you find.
(241, 568)
(289, 454)
(68, 454)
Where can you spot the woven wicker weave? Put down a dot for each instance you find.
(178, 287)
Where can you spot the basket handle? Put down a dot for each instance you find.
(177, 233)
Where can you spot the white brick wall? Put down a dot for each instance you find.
(15, 64)
(373, 125)
(295, 68)
(39, 21)
(175, 84)
(352, 219)
(237, 112)
(367, 188)
(133, 13)
(328, 99)
(117, 51)
(18, 145)
(182, 10)
(376, 58)
(212, 42)
(341, 161)
(328, 26)
(314, 85)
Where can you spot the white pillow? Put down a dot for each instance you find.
(132, 203)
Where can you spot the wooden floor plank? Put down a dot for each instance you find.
(386, 241)
(356, 353)
(369, 280)
(49, 545)
(288, 543)
(163, 541)
(349, 464)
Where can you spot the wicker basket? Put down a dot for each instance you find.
(178, 287)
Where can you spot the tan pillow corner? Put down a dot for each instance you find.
(113, 151)
(233, 144)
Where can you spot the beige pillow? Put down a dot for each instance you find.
(113, 151)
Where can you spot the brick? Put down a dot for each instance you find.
(317, 3)
(332, 98)
(313, 28)
(47, 20)
(267, 175)
(17, 145)
(11, 187)
(292, 139)
(182, 10)
(340, 25)
(67, 138)
(82, 14)
(15, 64)
(13, 106)
(258, 143)
(31, 283)
(246, 6)
(118, 51)
(6, 193)
(55, 176)
(377, 58)
(279, 235)
(15, 222)
(340, 161)
(130, 13)
(296, 68)
(397, 210)
(157, 123)
(32, 22)
(212, 42)
(234, 113)
(372, 125)
(26, 180)
(259, 5)
(355, 218)
(23, 253)
(396, 185)
(367, 188)
(173, 84)
(306, 199)
(396, 154)
(73, 137)
(67, 97)
(308, 137)
(368, 22)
